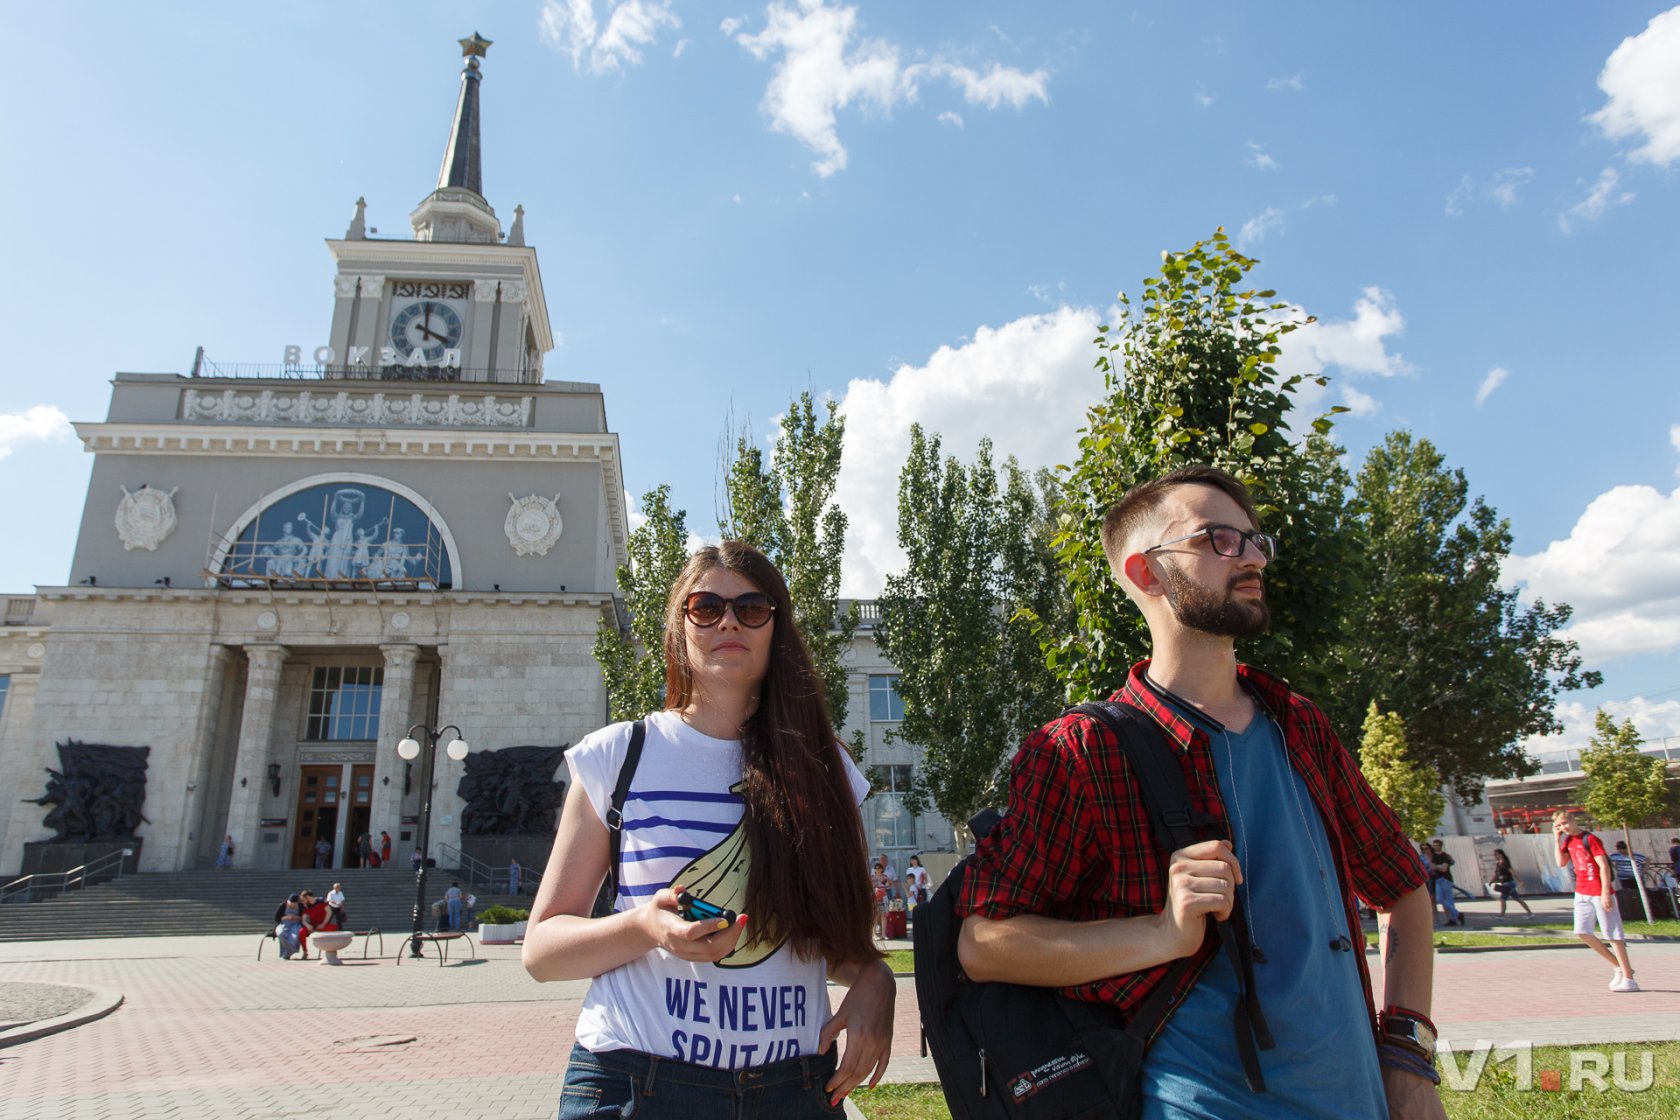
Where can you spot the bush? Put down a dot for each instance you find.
(499, 915)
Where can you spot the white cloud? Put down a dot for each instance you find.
(1654, 720)
(732, 24)
(1639, 80)
(825, 66)
(1295, 82)
(1502, 187)
(1256, 228)
(998, 86)
(1319, 200)
(1357, 346)
(681, 46)
(1258, 158)
(1358, 402)
(953, 119)
(1603, 197)
(35, 425)
(1204, 98)
(1494, 379)
(1026, 384)
(572, 26)
(1617, 569)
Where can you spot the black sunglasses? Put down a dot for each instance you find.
(752, 610)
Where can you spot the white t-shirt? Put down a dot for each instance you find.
(335, 898)
(918, 877)
(682, 824)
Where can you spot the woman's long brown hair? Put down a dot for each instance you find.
(809, 880)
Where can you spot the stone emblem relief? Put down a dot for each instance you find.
(145, 518)
(533, 524)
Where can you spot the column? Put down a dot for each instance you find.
(396, 704)
(250, 768)
(446, 803)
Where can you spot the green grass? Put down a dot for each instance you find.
(901, 960)
(1495, 1096)
(1663, 927)
(1458, 939)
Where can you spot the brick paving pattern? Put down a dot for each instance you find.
(207, 1031)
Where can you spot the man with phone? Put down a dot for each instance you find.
(1069, 890)
(1595, 896)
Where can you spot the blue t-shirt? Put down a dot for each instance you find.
(1325, 1061)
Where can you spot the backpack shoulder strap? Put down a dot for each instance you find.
(615, 814)
(1166, 798)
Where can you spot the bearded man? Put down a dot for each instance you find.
(1071, 892)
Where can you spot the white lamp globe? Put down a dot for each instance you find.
(409, 749)
(457, 749)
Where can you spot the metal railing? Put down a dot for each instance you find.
(481, 875)
(52, 884)
(277, 371)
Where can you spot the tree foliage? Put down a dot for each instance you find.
(970, 673)
(1624, 787)
(1411, 788)
(1434, 635)
(633, 661)
(1192, 378)
(785, 508)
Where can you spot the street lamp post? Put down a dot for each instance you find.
(409, 749)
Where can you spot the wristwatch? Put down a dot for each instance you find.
(1405, 1030)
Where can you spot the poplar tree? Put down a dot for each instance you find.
(632, 658)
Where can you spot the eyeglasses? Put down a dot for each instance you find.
(1227, 541)
(752, 610)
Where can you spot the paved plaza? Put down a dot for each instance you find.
(206, 1030)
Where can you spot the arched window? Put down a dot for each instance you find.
(339, 534)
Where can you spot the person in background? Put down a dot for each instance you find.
(916, 881)
(384, 849)
(1505, 883)
(452, 897)
(224, 858)
(1628, 868)
(1440, 881)
(335, 906)
(1595, 895)
(513, 876)
(415, 859)
(289, 925)
(316, 919)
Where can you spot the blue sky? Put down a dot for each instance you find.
(920, 210)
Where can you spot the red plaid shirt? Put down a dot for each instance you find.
(1076, 843)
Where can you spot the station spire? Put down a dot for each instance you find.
(457, 210)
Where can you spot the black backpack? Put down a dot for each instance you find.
(1014, 1052)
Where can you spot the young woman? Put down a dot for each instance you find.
(1505, 882)
(743, 799)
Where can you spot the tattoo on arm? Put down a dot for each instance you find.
(1393, 943)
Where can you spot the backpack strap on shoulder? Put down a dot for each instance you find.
(615, 816)
(1177, 825)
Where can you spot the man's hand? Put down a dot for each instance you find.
(1609, 899)
(1411, 1096)
(1202, 880)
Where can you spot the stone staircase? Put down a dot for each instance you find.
(202, 902)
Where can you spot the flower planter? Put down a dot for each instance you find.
(501, 934)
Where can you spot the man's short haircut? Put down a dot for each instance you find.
(1566, 815)
(1140, 503)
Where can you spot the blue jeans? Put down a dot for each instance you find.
(1444, 898)
(628, 1083)
(454, 913)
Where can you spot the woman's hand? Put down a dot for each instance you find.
(708, 941)
(866, 1015)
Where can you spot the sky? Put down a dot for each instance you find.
(920, 211)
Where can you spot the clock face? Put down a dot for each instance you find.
(430, 326)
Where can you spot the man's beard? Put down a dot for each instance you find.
(1215, 611)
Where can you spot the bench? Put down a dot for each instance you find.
(441, 940)
(371, 931)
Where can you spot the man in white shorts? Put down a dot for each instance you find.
(1595, 895)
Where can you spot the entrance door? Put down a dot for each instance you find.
(319, 798)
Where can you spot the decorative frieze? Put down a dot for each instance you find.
(305, 406)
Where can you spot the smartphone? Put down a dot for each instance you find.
(699, 910)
